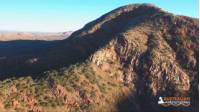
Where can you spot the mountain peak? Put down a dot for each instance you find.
(129, 16)
(131, 7)
(127, 13)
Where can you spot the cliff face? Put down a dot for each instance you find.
(126, 60)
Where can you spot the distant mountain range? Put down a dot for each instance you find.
(14, 35)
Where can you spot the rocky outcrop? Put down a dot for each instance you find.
(1, 106)
(32, 103)
(15, 104)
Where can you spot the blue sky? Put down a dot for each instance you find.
(70, 15)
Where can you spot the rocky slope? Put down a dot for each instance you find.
(124, 60)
